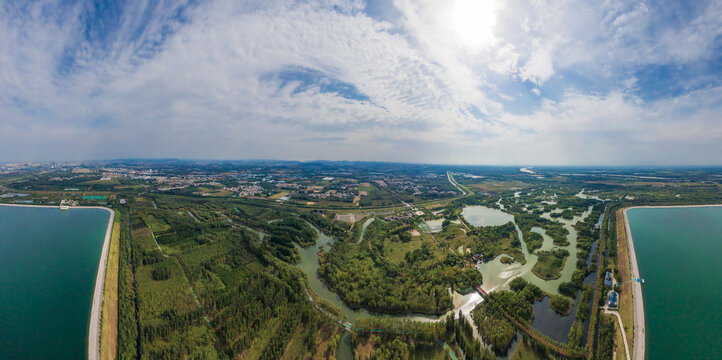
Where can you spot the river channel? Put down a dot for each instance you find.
(496, 275)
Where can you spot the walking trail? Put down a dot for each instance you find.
(621, 326)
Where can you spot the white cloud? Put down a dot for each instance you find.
(538, 68)
(211, 83)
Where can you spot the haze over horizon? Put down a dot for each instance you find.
(458, 82)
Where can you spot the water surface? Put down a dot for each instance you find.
(678, 252)
(435, 225)
(48, 262)
(484, 216)
(498, 275)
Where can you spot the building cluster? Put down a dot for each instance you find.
(331, 194)
(406, 215)
(82, 170)
(68, 202)
(23, 166)
(166, 183)
(62, 178)
(245, 190)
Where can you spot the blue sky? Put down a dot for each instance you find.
(460, 81)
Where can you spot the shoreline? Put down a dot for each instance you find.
(96, 307)
(639, 324)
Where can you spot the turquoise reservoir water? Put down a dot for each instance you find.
(678, 253)
(48, 262)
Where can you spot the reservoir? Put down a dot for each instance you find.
(678, 250)
(48, 263)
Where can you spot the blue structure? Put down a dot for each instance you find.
(608, 279)
(613, 298)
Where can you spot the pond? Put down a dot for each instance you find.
(434, 226)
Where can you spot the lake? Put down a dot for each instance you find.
(483, 216)
(48, 263)
(678, 250)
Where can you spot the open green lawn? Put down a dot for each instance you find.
(368, 188)
(101, 182)
(395, 251)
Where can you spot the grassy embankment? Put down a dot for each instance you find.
(626, 304)
(109, 317)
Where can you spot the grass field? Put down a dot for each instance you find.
(278, 195)
(101, 182)
(396, 251)
(496, 186)
(213, 192)
(158, 225)
(626, 302)
(109, 317)
(366, 187)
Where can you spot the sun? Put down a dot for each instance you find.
(472, 21)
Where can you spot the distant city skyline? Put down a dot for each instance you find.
(436, 82)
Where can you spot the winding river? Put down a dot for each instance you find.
(310, 264)
(496, 275)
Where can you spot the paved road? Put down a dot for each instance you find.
(639, 329)
(621, 327)
(94, 327)
(448, 176)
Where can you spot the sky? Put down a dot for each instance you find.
(505, 82)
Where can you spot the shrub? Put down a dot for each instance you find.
(160, 273)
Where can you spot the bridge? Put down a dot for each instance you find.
(482, 292)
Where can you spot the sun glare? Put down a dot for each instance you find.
(472, 21)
